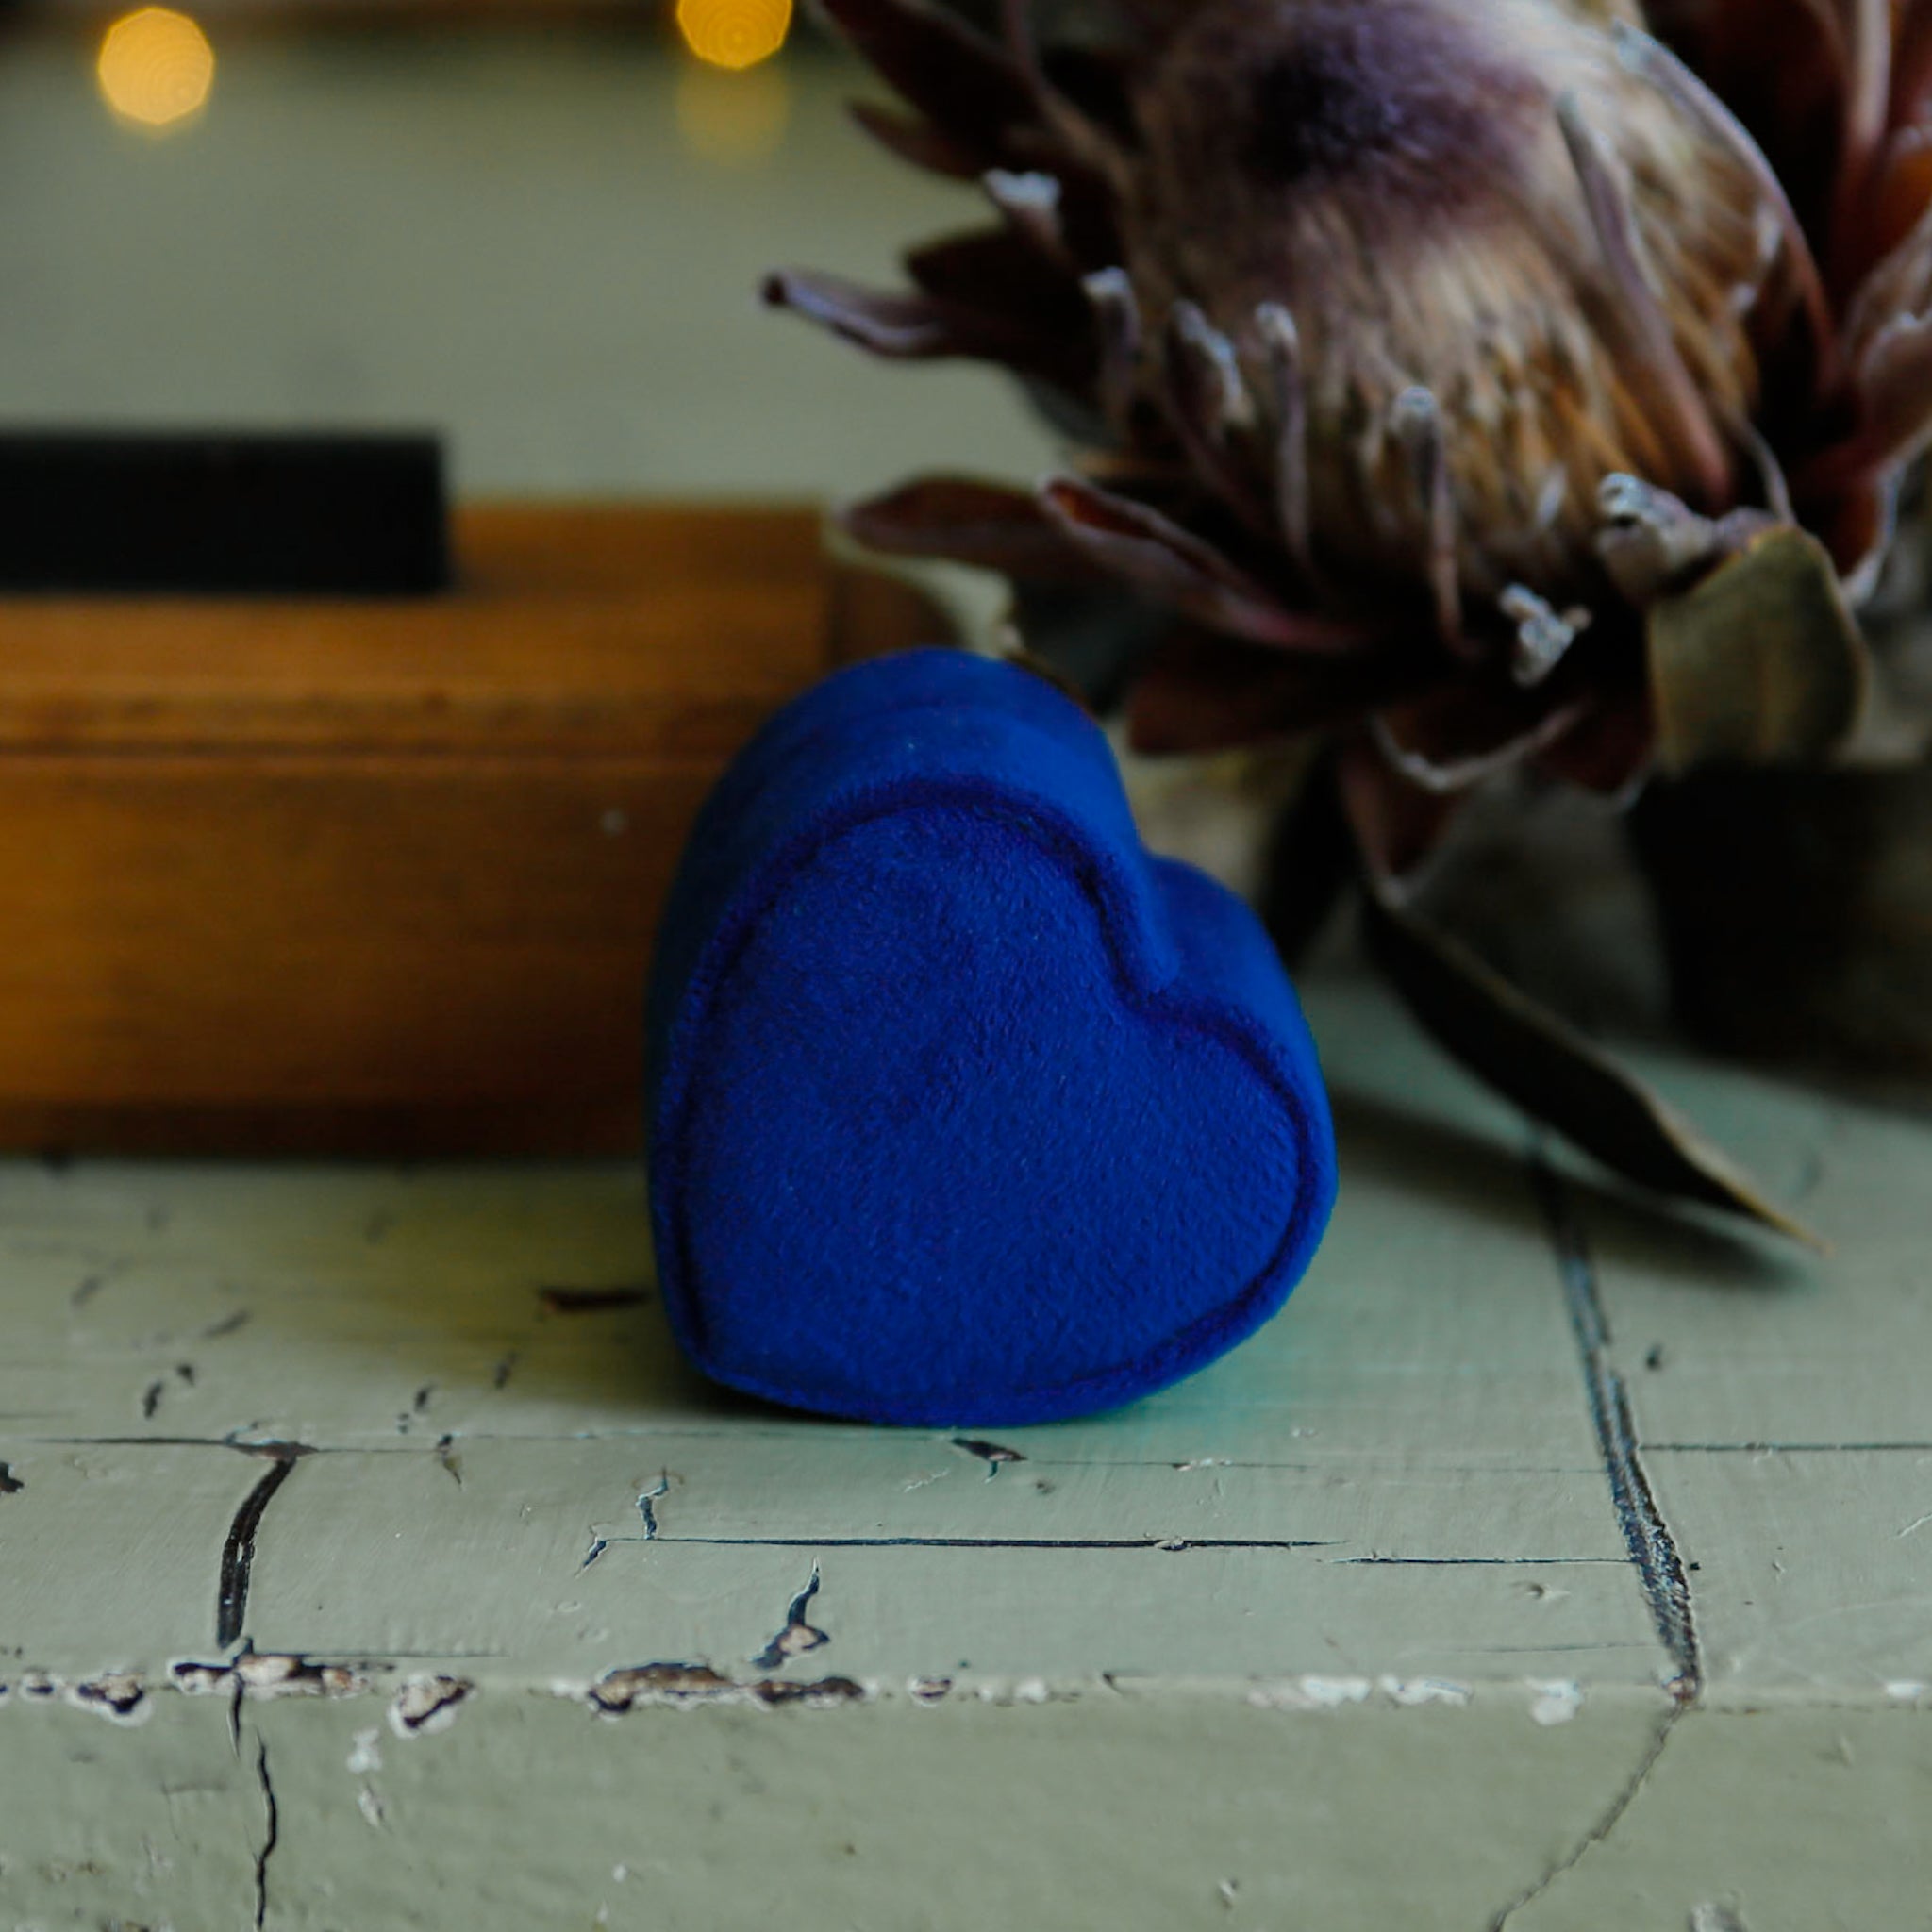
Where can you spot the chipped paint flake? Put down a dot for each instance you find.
(1331, 1693)
(365, 1753)
(1717, 1917)
(799, 1636)
(119, 1696)
(1311, 1693)
(267, 1673)
(1557, 1701)
(1413, 1693)
(426, 1705)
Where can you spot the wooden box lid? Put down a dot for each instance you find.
(380, 877)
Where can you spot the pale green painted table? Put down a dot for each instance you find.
(1540, 1565)
(367, 1559)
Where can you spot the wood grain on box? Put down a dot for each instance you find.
(381, 876)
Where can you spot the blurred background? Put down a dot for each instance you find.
(535, 225)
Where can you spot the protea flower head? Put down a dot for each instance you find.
(1415, 351)
(1483, 382)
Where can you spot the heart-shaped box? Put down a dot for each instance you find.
(965, 1109)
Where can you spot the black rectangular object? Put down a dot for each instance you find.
(244, 514)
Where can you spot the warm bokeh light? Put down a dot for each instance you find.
(734, 33)
(155, 67)
(736, 120)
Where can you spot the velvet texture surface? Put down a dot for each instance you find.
(964, 1109)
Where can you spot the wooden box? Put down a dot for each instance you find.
(381, 876)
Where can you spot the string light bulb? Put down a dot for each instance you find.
(734, 33)
(155, 67)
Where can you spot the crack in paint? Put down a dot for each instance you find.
(1790, 1448)
(272, 1835)
(1604, 1825)
(1166, 1543)
(995, 1455)
(237, 1550)
(1470, 1562)
(647, 1514)
(590, 1301)
(1647, 1535)
(648, 1499)
(799, 1637)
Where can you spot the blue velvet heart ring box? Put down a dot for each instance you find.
(964, 1109)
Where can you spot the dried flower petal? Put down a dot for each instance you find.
(1762, 662)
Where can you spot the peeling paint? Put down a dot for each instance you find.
(1413, 1693)
(1717, 1917)
(365, 1752)
(1311, 1693)
(995, 1455)
(426, 1705)
(799, 1637)
(684, 1685)
(826, 1691)
(266, 1675)
(1556, 1703)
(621, 1690)
(120, 1696)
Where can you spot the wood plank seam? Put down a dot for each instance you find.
(1652, 1549)
(237, 1550)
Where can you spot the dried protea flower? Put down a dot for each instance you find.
(1484, 382)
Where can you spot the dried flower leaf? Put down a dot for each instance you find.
(1164, 561)
(1509, 1040)
(922, 327)
(1004, 273)
(1552, 1071)
(967, 522)
(957, 78)
(1762, 662)
(917, 142)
